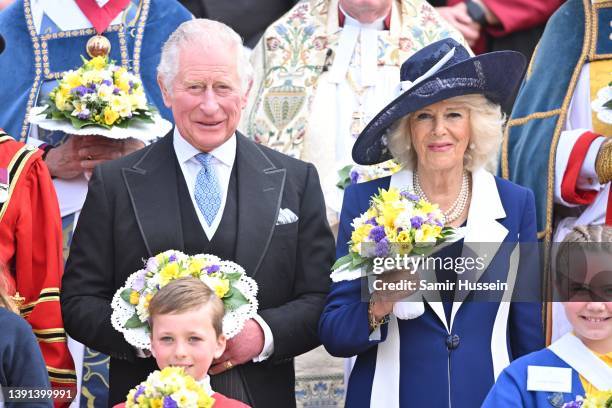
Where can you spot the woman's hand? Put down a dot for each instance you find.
(391, 287)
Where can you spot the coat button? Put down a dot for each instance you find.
(452, 342)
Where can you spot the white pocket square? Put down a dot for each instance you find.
(286, 216)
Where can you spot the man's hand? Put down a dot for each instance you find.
(80, 154)
(242, 348)
(458, 17)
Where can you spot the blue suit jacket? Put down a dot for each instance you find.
(510, 390)
(430, 374)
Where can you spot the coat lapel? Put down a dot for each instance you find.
(482, 227)
(260, 190)
(484, 234)
(403, 180)
(152, 189)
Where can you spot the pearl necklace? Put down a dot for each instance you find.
(455, 210)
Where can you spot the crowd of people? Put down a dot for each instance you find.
(277, 159)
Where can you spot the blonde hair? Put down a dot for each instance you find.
(486, 125)
(5, 300)
(186, 294)
(205, 34)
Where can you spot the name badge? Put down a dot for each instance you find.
(549, 379)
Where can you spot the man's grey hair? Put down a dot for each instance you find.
(203, 33)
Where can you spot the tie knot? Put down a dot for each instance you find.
(204, 159)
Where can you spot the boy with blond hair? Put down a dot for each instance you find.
(186, 319)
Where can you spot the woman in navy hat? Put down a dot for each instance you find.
(445, 128)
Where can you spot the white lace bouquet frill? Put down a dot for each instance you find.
(227, 279)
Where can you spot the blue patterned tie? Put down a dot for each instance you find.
(207, 191)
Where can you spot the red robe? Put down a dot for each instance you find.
(514, 15)
(31, 251)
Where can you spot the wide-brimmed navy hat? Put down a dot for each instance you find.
(439, 71)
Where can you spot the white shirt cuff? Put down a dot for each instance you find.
(566, 143)
(268, 347)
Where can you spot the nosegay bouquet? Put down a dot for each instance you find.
(99, 93)
(169, 388)
(397, 223)
(597, 399)
(102, 99)
(227, 279)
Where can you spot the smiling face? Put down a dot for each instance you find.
(440, 135)
(186, 339)
(206, 97)
(589, 291)
(592, 323)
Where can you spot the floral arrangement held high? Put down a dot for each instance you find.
(598, 399)
(169, 388)
(227, 279)
(397, 223)
(99, 93)
(100, 98)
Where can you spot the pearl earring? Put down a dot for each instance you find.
(472, 146)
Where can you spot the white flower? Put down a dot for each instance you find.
(603, 96)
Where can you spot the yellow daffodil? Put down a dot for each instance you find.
(73, 79)
(110, 116)
(168, 273)
(134, 297)
(361, 233)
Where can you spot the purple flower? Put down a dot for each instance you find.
(372, 221)
(377, 233)
(170, 403)
(84, 115)
(382, 248)
(107, 82)
(172, 258)
(139, 282)
(91, 88)
(152, 264)
(409, 196)
(212, 268)
(116, 91)
(573, 404)
(354, 177)
(139, 392)
(416, 222)
(79, 90)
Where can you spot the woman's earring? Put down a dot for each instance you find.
(472, 146)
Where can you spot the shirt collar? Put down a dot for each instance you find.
(382, 23)
(226, 153)
(205, 383)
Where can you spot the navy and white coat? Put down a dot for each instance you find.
(488, 334)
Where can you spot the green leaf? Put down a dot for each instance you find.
(234, 299)
(342, 261)
(134, 322)
(125, 295)
(608, 105)
(344, 177)
(233, 276)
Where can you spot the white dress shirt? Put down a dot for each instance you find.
(224, 157)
